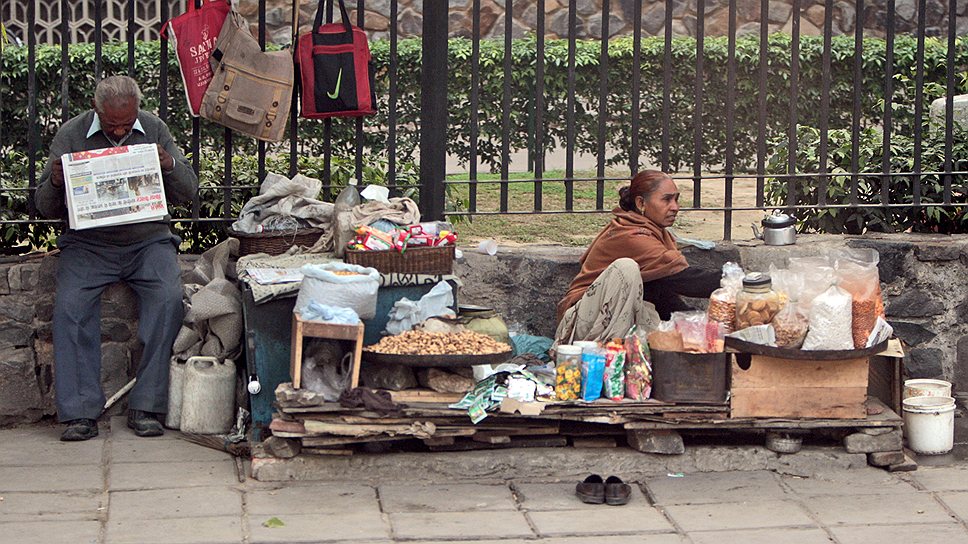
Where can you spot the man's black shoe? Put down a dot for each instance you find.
(144, 423)
(79, 429)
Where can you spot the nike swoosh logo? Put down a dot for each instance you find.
(339, 79)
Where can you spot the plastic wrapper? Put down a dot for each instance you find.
(614, 386)
(860, 278)
(817, 276)
(830, 321)
(638, 368)
(760, 334)
(665, 337)
(568, 377)
(790, 326)
(592, 374)
(692, 327)
(722, 302)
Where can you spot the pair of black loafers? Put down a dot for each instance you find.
(613, 491)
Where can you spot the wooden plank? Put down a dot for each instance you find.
(800, 402)
(767, 372)
(328, 441)
(491, 438)
(327, 451)
(439, 441)
(534, 442)
(594, 442)
(424, 395)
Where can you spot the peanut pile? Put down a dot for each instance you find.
(345, 273)
(439, 343)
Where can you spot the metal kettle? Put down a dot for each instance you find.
(779, 229)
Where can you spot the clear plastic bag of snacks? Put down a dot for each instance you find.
(860, 277)
(722, 302)
(790, 326)
(638, 368)
(614, 387)
(830, 321)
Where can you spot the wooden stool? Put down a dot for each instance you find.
(315, 329)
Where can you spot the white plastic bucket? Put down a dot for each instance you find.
(929, 423)
(926, 388)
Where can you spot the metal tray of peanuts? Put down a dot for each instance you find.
(413, 343)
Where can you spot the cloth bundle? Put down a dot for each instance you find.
(402, 211)
(213, 317)
(285, 204)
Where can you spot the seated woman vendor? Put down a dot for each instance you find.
(633, 262)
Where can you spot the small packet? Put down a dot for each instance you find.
(615, 370)
(692, 327)
(593, 374)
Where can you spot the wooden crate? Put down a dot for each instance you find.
(791, 388)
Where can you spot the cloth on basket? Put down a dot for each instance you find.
(285, 204)
(402, 211)
(213, 318)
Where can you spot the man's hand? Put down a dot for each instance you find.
(57, 174)
(167, 162)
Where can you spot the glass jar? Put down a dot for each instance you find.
(757, 303)
(567, 372)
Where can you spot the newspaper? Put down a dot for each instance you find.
(114, 186)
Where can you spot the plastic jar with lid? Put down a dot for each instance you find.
(757, 303)
(567, 372)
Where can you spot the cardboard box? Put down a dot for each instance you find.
(791, 388)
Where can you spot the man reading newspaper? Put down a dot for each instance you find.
(141, 254)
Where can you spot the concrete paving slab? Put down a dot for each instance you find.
(52, 478)
(866, 481)
(315, 498)
(744, 515)
(69, 505)
(183, 502)
(606, 520)
(134, 476)
(213, 530)
(877, 509)
(942, 478)
(957, 502)
(561, 496)
(445, 498)
(162, 451)
(948, 533)
(710, 487)
(761, 536)
(320, 527)
(52, 532)
(460, 525)
(120, 431)
(32, 447)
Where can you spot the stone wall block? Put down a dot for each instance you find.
(44, 355)
(924, 363)
(14, 334)
(779, 11)
(585, 7)
(119, 301)
(20, 308)
(489, 15)
(939, 252)
(411, 23)
(653, 19)
(961, 361)
(115, 367)
(912, 334)
(914, 303)
(846, 13)
(815, 14)
(961, 311)
(557, 24)
(115, 330)
(20, 399)
(5, 280)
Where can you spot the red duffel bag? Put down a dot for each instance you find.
(194, 33)
(336, 74)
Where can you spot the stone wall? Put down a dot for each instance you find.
(621, 17)
(923, 279)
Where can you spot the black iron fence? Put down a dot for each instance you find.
(823, 125)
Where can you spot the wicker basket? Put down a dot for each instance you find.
(415, 260)
(274, 243)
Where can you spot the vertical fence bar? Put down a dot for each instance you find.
(636, 85)
(1, 97)
(858, 89)
(294, 109)
(392, 103)
(762, 75)
(602, 108)
(164, 14)
(794, 92)
(730, 123)
(227, 176)
(327, 130)
(667, 89)
(949, 99)
(261, 160)
(475, 103)
(196, 165)
(570, 108)
(825, 102)
(130, 36)
(99, 40)
(888, 106)
(506, 105)
(65, 36)
(31, 104)
(539, 105)
(433, 109)
(697, 107)
(360, 22)
(918, 107)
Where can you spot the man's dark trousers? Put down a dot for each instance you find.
(84, 270)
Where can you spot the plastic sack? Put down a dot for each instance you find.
(592, 374)
(329, 314)
(614, 386)
(830, 321)
(862, 280)
(326, 369)
(817, 276)
(341, 285)
(535, 345)
(638, 368)
(407, 313)
(790, 326)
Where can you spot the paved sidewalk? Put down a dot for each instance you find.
(119, 488)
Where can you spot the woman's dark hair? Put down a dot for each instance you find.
(643, 184)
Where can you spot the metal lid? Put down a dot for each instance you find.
(779, 221)
(568, 349)
(757, 279)
(585, 344)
